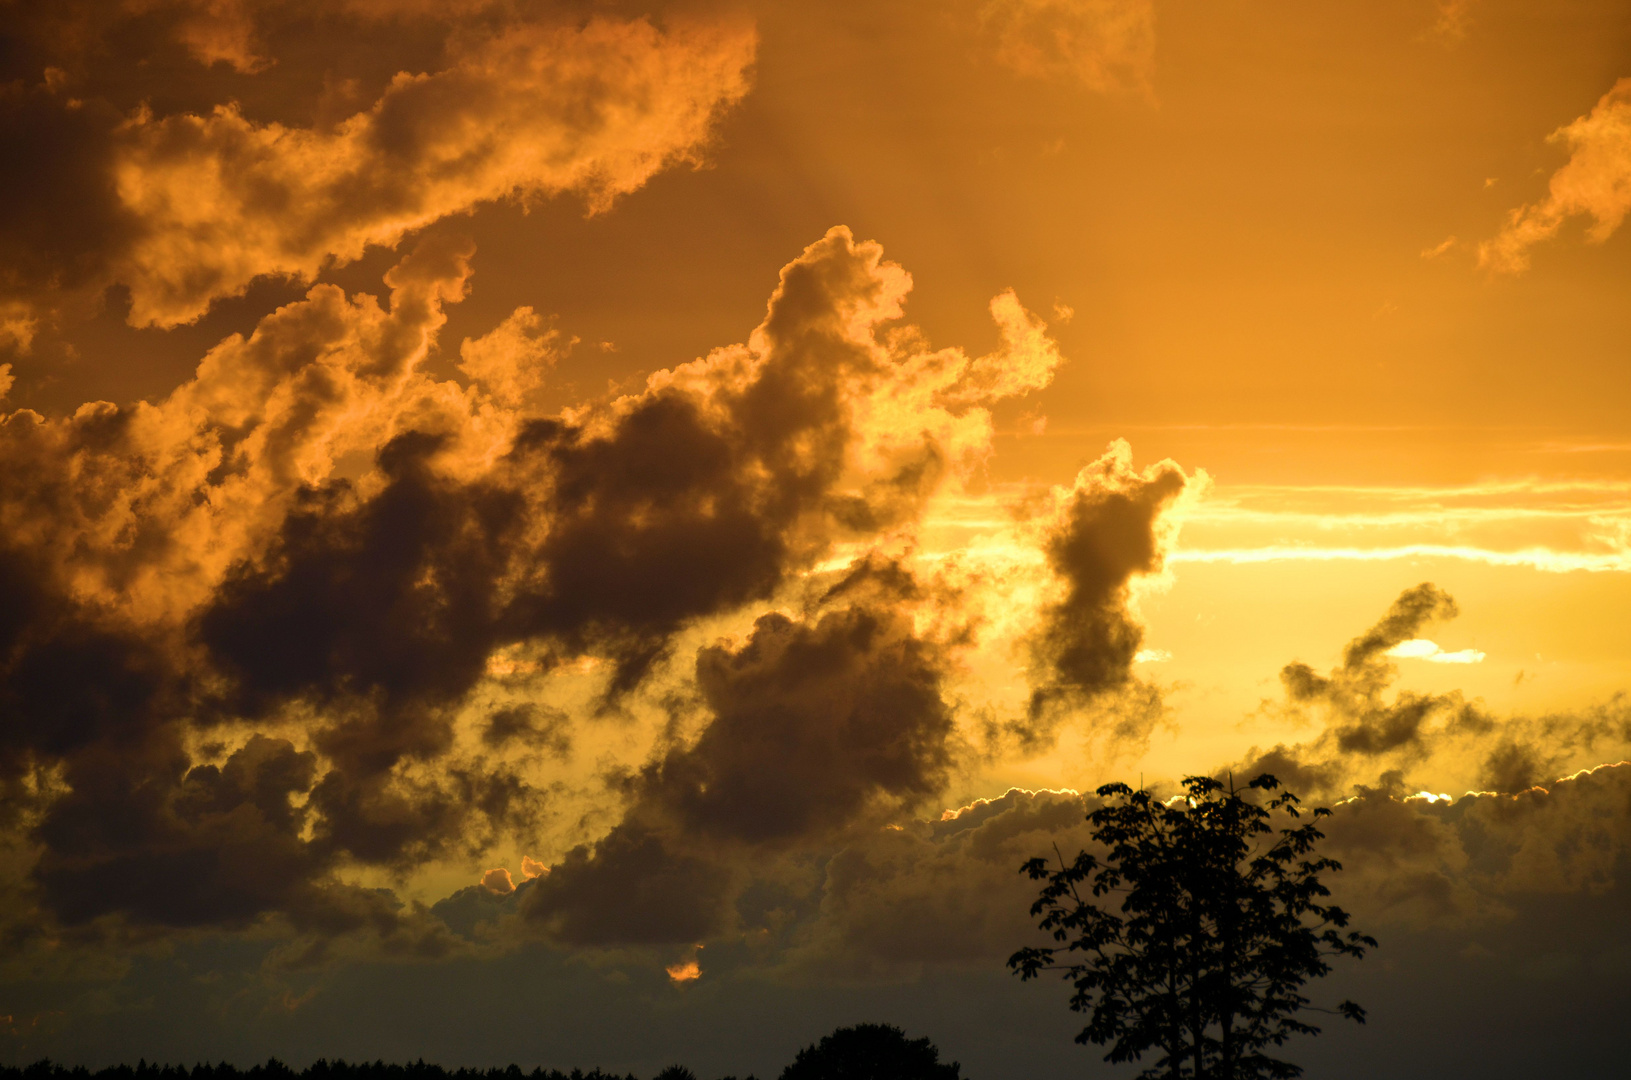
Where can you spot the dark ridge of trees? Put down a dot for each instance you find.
(862, 1052)
(321, 1069)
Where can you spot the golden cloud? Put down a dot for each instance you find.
(1106, 45)
(186, 207)
(1595, 182)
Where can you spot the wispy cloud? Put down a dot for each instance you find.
(1454, 17)
(1106, 45)
(1596, 182)
(1556, 526)
(1557, 562)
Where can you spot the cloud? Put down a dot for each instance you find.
(532, 112)
(1410, 612)
(812, 727)
(1454, 18)
(686, 970)
(948, 892)
(1107, 45)
(1439, 248)
(1363, 720)
(1106, 529)
(1373, 735)
(1537, 558)
(186, 207)
(939, 892)
(1596, 181)
(1422, 649)
(498, 882)
(512, 359)
(315, 545)
(1473, 860)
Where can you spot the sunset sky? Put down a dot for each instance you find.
(592, 533)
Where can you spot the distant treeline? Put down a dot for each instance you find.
(318, 1070)
(862, 1050)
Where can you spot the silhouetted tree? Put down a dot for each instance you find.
(1218, 929)
(870, 1052)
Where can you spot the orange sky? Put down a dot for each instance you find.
(405, 479)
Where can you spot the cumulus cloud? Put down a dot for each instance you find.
(1109, 527)
(498, 882)
(944, 891)
(223, 200)
(1596, 181)
(812, 727)
(948, 891)
(1472, 860)
(249, 619)
(185, 207)
(1107, 45)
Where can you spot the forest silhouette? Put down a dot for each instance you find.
(862, 1052)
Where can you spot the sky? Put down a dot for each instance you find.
(601, 534)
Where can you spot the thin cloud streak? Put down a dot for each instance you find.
(1556, 562)
(1557, 526)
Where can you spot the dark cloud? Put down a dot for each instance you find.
(634, 886)
(1312, 778)
(531, 724)
(812, 727)
(1108, 530)
(1376, 738)
(72, 676)
(938, 892)
(1367, 723)
(1531, 751)
(653, 524)
(192, 583)
(1414, 609)
(59, 208)
(167, 844)
(390, 597)
(1473, 860)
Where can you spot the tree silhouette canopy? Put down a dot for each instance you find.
(1219, 927)
(870, 1052)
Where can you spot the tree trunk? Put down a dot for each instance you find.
(1197, 1018)
(1226, 1003)
(1175, 1052)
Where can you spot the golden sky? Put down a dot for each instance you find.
(524, 520)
